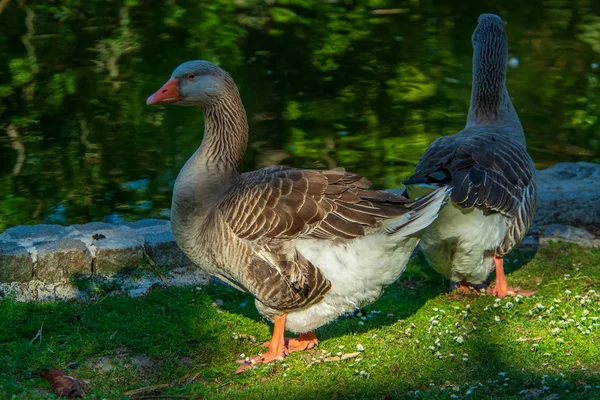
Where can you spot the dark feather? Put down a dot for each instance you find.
(494, 175)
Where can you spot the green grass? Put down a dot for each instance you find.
(514, 348)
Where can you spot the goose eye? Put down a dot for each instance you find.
(191, 77)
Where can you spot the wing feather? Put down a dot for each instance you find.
(486, 170)
(280, 203)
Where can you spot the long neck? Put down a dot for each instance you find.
(225, 132)
(215, 166)
(490, 101)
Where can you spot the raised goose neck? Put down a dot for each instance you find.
(490, 101)
(215, 166)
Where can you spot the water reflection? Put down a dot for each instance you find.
(364, 85)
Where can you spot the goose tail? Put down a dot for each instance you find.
(423, 211)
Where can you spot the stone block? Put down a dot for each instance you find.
(58, 260)
(569, 193)
(569, 234)
(93, 226)
(163, 250)
(115, 249)
(42, 232)
(159, 243)
(121, 250)
(16, 264)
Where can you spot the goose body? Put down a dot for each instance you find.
(309, 245)
(358, 271)
(490, 173)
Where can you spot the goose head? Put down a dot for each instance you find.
(193, 83)
(488, 26)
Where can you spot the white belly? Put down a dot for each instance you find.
(358, 271)
(460, 243)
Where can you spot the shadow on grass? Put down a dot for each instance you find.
(414, 288)
(185, 334)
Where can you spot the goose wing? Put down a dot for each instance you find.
(491, 172)
(286, 203)
(268, 207)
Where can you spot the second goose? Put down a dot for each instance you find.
(490, 173)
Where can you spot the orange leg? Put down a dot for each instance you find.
(463, 287)
(277, 349)
(303, 342)
(502, 289)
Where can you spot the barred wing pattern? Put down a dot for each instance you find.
(272, 205)
(486, 171)
(285, 203)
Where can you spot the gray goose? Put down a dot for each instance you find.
(491, 175)
(309, 245)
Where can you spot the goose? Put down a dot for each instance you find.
(490, 173)
(309, 245)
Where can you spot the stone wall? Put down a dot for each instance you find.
(40, 261)
(52, 253)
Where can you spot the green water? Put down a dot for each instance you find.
(325, 84)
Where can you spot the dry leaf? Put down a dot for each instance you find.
(63, 384)
(244, 336)
(533, 339)
(350, 355)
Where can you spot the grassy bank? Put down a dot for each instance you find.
(418, 341)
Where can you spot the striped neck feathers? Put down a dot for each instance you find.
(225, 131)
(490, 101)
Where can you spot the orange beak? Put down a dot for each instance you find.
(169, 93)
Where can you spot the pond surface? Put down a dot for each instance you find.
(366, 85)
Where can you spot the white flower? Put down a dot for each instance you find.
(518, 298)
(510, 304)
(459, 339)
(360, 347)
(497, 318)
